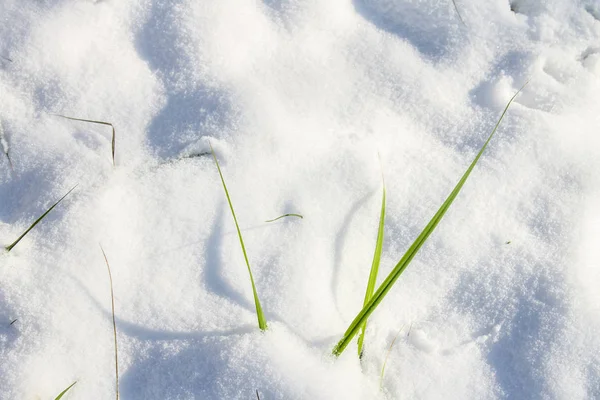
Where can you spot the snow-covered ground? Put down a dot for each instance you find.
(298, 97)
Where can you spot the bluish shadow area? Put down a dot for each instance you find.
(25, 196)
(432, 27)
(531, 313)
(193, 108)
(275, 5)
(186, 118)
(592, 374)
(514, 64)
(468, 138)
(214, 368)
(49, 96)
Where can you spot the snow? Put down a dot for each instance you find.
(298, 98)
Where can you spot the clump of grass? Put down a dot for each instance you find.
(13, 244)
(262, 322)
(65, 391)
(112, 301)
(284, 216)
(374, 268)
(100, 123)
(393, 276)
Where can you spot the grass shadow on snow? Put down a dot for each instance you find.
(340, 244)
(215, 281)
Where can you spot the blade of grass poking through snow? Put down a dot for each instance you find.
(96, 122)
(389, 281)
(65, 391)
(112, 301)
(374, 267)
(262, 322)
(13, 244)
(283, 216)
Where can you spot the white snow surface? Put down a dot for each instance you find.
(298, 97)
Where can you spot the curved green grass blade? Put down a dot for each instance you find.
(285, 215)
(65, 391)
(10, 246)
(374, 269)
(412, 250)
(96, 122)
(262, 322)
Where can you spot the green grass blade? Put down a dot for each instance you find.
(96, 122)
(112, 300)
(262, 322)
(65, 391)
(413, 249)
(283, 216)
(374, 270)
(10, 247)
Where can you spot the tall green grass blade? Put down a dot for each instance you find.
(262, 322)
(112, 301)
(10, 247)
(285, 215)
(65, 391)
(97, 122)
(389, 281)
(374, 269)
